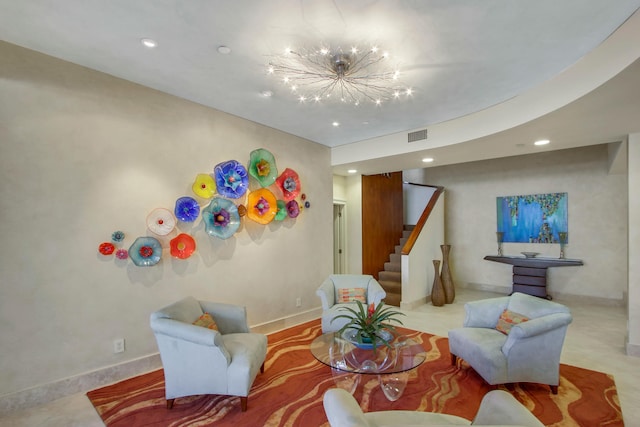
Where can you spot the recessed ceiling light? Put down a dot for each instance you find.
(428, 159)
(335, 124)
(225, 50)
(542, 142)
(266, 93)
(150, 43)
(352, 171)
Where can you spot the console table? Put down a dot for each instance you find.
(530, 274)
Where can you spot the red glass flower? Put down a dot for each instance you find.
(106, 248)
(182, 246)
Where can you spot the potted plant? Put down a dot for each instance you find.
(372, 326)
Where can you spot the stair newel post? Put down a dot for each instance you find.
(445, 275)
(437, 290)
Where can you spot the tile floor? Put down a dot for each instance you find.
(595, 340)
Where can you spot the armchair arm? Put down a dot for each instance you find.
(327, 295)
(187, 332)
(534, 327)
(484, 313)
(342, 409)
(499, 407)
(230, 318)
(375, 293)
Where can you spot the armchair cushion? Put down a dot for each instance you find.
(351, 295)
(206, 321)
(509, 318)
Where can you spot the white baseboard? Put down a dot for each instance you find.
(412, 305)
(556, 296)
(81, 383)
(87, 381)
(633, 350)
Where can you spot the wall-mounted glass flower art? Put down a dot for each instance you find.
(106, 248)
(289, 183)
(293, 209)
(182, 246)
(204, 186)
(262, 206)
(117, 236)
(161, 221)
(262, 167)
(122, 254)
(145, 251)
(282, 210)
(221, 218)
(231, 179)
(187, 209)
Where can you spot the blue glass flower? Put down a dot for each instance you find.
(187, 209)
(145, 251)
(221, 218)
(231, 179)
(117, 236)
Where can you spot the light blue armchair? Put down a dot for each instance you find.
(529, 353)
(197, 360)
(328, 293)
(498, 408)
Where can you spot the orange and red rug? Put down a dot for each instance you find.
(289, 393)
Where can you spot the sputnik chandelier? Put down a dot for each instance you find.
(326, 74)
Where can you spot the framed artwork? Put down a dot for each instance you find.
(534, 218)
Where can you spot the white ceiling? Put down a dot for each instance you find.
(459, 56)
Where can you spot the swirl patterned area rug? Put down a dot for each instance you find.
(290, 391)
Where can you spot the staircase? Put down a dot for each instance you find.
(391, 277)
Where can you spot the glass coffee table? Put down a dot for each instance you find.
(348, 362)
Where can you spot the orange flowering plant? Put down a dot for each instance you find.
(371, 323)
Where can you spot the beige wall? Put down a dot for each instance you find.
(83, 154)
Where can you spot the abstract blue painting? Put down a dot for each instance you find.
(534, 218)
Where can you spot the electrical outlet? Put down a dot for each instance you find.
(118, 345)
(298, 302)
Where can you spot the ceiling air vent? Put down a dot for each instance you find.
(417, 135)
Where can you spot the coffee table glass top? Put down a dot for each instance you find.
(339, 353)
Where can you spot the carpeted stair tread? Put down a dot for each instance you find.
(390, 276)
(393, 266)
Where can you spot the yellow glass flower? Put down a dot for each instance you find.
(204, 186)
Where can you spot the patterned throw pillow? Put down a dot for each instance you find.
(508, 319)
(352, 295)
(206, 321)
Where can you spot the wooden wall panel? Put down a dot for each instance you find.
(382, 219)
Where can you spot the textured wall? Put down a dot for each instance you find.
(597, 218)
(83, 154)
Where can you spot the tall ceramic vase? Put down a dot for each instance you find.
(445, 276)
(437, 291)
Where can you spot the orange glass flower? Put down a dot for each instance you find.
(262, 206)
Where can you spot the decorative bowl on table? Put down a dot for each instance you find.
(530, 254)
(351, 336)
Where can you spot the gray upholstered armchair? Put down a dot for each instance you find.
(198, 360)
(530, 352)
(329, 293)
(497, 408)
